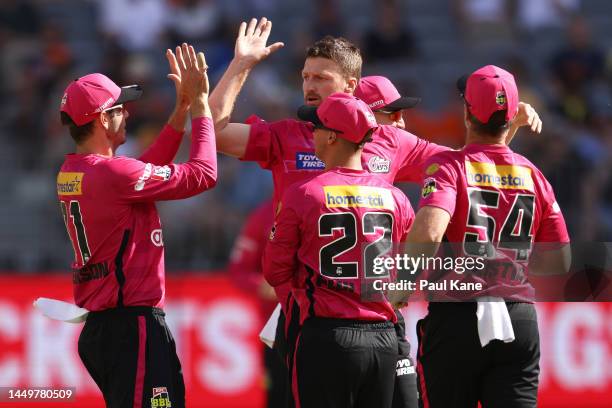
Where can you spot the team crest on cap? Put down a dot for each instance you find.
(500, 98)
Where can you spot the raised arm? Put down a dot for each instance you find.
(136, 181)
(164, 148)
(250, 49)
(526, 116)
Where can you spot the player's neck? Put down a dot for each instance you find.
(473, 137)
(352, 161)
(96, 145)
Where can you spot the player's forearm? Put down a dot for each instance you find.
(200, 108)
(165, 147)
(511, 133)
(178, 117)
(202, 165)
(163, 150)
(223, 97)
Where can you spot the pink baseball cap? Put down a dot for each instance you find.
(87, 96)
(488, 90)
(342, 113)
(380, 94)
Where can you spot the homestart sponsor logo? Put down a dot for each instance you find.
(69, 183)
(499, 176)
(358, 196)
(308, 161)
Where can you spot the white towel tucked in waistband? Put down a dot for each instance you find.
(60, 310)
(493, 320)
(268, 333)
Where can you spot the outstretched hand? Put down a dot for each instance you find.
(251, 42)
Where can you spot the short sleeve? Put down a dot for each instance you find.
(414, 153)
(552, 227)
(261, 143)
(440, 184)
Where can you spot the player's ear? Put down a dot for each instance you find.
(351, 85)
(466, 117)
(331, 138)
(104, 120)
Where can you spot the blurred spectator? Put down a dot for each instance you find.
(484, 21)
(443, 126)
(576, 65)
(388, 38)
(532, 15)
(193, 21)
(135, 25)
(18, 18)
(327, 19)
(20, 23)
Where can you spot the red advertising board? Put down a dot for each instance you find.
(216, 325)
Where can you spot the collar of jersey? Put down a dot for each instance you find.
(348, 171)
(482, 147)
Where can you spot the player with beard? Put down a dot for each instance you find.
(286, 147)
(108, 205)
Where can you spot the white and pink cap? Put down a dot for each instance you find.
(380, 94)
(487, 90)
(342, 113)
(87, 96)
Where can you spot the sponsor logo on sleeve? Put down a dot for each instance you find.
(429, 186)
(308, 161)
(510, 177)
(146, 174)
(160, 398)
(378, 164)
(272, 232)
(69, 183)
(161, 173)
(432, 169)
(358, 196)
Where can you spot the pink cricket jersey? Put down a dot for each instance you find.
(499, 203)
(327, 234)
(286, 148)
(108, 204)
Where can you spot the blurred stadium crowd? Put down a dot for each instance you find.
(559, 50)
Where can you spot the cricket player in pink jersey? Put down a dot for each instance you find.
(327, 233)
(108, 204)
(286, 147)
(488, 202)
